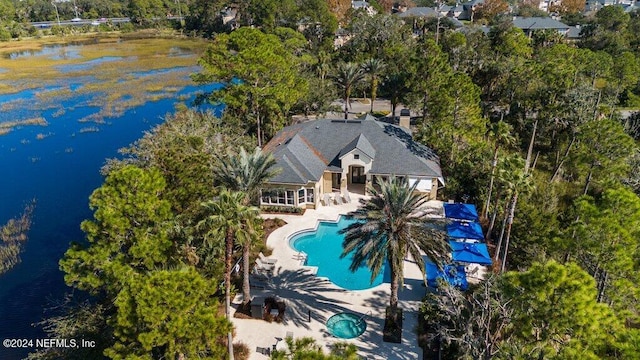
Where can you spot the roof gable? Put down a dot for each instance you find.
(361, 143)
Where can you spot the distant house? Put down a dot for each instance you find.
(427, 12)
(419, 12)
(574, 33)
(469, 9)
(363, 5)
(325, 156)
(531, 24)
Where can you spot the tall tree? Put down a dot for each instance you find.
(490, 9)
(205, 17)
(469, 326)
(500, 133)
(169, 313)
(606, 236)
(430, 74)
(261, 77)
(373, 68)
(602, 152)
(391, 226)
(228, 218)
(395, 87)
(346, 77)
(568, 7)
(246, 173)
(555, 311)
(128, 233)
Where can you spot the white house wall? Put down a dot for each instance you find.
(424, 185)
(348, 160)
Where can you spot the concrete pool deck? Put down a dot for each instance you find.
(309, 296)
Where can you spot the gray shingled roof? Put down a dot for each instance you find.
(419, 12)
(538, 23)
(361, 143)
(304, 151)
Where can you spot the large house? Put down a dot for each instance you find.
(335, 156)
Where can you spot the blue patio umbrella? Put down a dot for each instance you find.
(466, 212)
(465, 230)
(470, 253)
(452, 274)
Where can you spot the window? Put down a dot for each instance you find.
(356, 156)
(310, 198)
(278, 197)
(300, 196)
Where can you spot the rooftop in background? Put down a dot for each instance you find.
(418, 12)
(539, 23)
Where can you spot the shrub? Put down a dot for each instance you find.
(126, 27)
(4, 34)
(241, 351)
(282, 210)
(379, 114)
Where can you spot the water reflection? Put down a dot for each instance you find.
(88, 115)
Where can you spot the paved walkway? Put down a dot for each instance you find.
(307, 295)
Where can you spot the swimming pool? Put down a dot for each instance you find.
(324, 246)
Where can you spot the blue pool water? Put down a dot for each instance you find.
(59, 170)
(346, 325)
(324, 247)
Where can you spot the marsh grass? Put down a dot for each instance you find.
(7, 126)
(127, 80)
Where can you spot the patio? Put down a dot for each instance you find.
(311, 300)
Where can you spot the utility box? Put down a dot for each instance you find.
(257, 307)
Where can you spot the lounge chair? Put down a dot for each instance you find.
(338, 199)
(260, 274)
(346, 196)
(266, 260)
(326, 200)
(263, 351)
(263, 266)
(259, 284)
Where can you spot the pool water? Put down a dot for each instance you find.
(346, 325)
(323, 248)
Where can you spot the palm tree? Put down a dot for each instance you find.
(500, 132)
(391, 225)
(246, 173)
(227, 217)
(373, 67)
(346, 77)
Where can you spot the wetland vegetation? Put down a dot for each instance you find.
(111, 73)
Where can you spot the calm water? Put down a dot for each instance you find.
(59, 170)
(324, 247)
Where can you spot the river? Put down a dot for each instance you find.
(93, 100)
